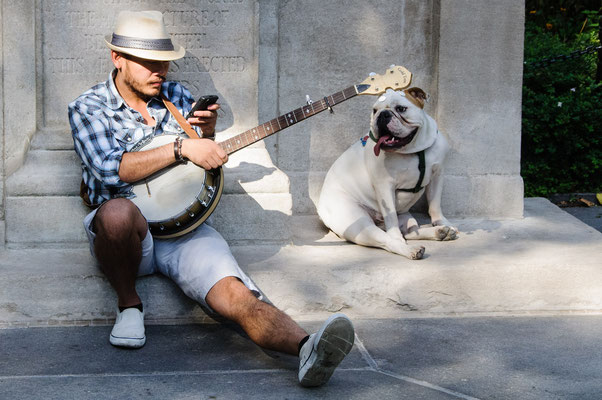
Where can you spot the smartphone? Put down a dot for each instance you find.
(202, 103)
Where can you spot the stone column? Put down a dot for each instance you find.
(2, 177)
(479, 105)
(18, 84)
(19, 91)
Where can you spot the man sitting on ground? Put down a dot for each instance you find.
(107, 122)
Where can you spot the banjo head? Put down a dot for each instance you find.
(176, 199)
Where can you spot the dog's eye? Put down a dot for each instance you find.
(374, 111)
(400, 109)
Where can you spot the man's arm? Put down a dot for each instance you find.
(203, 152)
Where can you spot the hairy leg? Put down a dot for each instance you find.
(266, 325)
(120, 229)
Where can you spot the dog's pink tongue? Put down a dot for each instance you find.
(379, 143)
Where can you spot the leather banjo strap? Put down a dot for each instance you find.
(180, 119)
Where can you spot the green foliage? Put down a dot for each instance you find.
(564, 18)
(561, 134)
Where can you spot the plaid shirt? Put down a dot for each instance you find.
(104, 127)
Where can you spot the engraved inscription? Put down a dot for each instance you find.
(219, 37)
(223, 64)
(191, 41)
(94, 42)
(203, 18)
(67, 65)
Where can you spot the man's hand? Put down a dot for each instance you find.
(204, 152)
(205, 120)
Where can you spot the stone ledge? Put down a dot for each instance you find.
(31, 220)
(512, 266)
(57, 173)
(52, 139)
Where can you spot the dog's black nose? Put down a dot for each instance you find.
(383, 118)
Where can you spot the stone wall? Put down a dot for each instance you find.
(466, 54)
(220, 38)
(20, 80)
(2, 174)
(324, 47)
(263, 57)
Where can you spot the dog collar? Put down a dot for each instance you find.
(364, 140)
(372, 137)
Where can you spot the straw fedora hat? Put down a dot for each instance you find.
(143, 34)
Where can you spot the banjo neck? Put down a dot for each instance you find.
(396, 78)
(290, 118)
(194, 193)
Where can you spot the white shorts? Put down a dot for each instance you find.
(195, 261)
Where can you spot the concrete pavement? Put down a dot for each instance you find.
(557, 357)
(589, 215)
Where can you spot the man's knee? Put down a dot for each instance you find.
(230, 298)
(119, 218)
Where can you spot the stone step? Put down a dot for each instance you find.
(52, 139)
(35, 220)
(43, 204)
(58, 173)
(46, 173)
(548, 262)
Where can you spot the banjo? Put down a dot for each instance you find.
(179, 198)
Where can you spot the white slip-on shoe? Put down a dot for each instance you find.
(128, 330)
(324, 350)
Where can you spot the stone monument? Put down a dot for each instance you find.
(262, 58)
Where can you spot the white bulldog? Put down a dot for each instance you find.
(380, 177)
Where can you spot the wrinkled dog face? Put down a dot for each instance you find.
(396, 117)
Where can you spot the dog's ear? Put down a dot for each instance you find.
(416, 96)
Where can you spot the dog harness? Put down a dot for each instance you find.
(422, 169)
(421, 164)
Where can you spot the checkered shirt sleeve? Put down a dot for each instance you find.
(94, 142)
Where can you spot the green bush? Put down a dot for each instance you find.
(564, 18)
(562, 113)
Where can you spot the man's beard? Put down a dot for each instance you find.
(139, 89)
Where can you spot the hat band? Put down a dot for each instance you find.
(142, 44)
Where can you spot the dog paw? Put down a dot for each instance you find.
(442, 232)
(417, 252)
(446, 233)
(452, 234)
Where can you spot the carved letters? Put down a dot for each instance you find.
(218, 36)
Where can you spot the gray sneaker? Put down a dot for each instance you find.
(324, 350)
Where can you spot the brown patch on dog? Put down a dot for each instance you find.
(416, 96)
